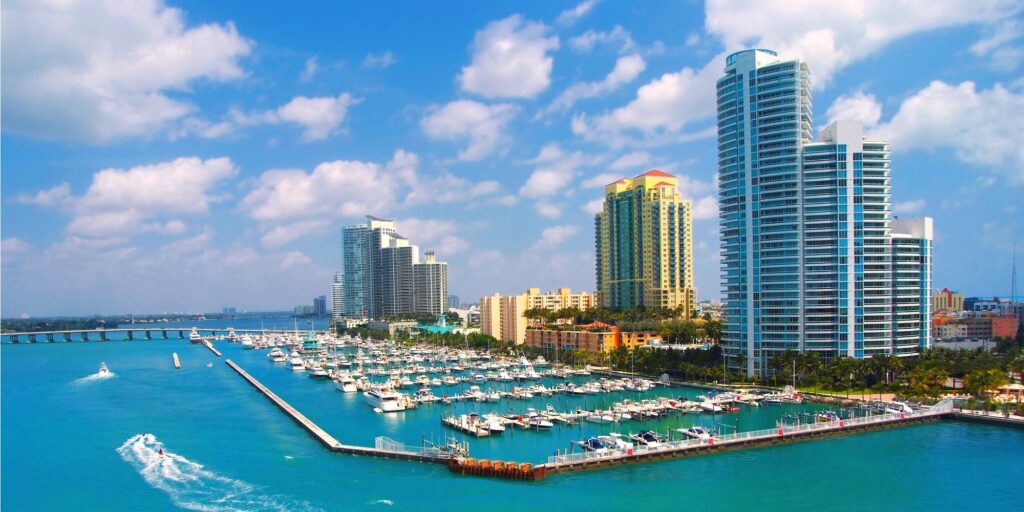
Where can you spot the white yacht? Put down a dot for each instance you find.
(345, 383)
(194, 337)
(104, 370)
(297, 364)
(385, 399)
(247, 341)
(318, 372)
(695, 433)
(277, 356)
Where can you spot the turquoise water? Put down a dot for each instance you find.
(71, 444)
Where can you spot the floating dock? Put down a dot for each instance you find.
(210, 346)
(177, 363)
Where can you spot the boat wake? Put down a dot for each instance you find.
(192, 487)
(382, 502)
(95, 377)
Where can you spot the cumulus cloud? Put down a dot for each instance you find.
(293, 259)
(705, 208)
(617, 36)
(667, 103)
(571, 16)
(510, 60)
(50, 197)
(908, 207)
(548, 209)
(440, 235)
(309, 71)
(379, 60)
(593, 207)
(601, 180)
(626, 69)
(982, 127)
(554, 236)
(12, 248)
(320, 117)
(123, 202)
(102, 70)
(830, 39)
(553, 175)
(1001, 46)
(858, 106)
(634, 161)
(287, 233)
(481, 126)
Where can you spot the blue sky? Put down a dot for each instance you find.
(184, 156)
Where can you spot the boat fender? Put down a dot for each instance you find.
(780, 431)
(841, 424)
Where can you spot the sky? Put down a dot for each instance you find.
(184, 156)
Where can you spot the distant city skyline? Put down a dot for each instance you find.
(220, 169)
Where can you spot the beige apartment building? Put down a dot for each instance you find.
(503, 316)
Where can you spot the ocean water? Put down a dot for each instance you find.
(74, 441)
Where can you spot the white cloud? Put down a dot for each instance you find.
(626, 69)
(585, 42)
(50, 197)
(547, 209)
(999, 45)
(12, 248)
(379, 60)
(634, 160)
(320, 117)
(856, 107)
(982, 127)
(601, 180)
(705, 208)
(552, 176)
(667, 103)
(240, 256)
(593, 207)
(123, 202)
(101, 70)
(440, 235)
(571, 16)
(294, 258)
(447, 188)
(510, 60)
(285, 234)
(554, 236)
(310, 70)
(482, 126)
(908, 207)
(342, 188)
(830, 39)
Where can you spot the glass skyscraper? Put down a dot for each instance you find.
(806, 229)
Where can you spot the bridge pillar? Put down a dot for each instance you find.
(67, 336)
(149, 334)
(129, 335)
(84, 335)
(103, 336)
(31, 338)
(15, 338)
(164, 332)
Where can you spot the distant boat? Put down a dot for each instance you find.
(103, 369)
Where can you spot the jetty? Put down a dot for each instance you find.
(177, 362)
(210, 346)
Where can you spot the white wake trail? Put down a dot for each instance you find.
(191, 486)
(95, 377)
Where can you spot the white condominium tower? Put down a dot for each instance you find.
(811, 257)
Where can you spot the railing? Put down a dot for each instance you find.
(943, 407)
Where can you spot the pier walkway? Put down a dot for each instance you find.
(740, 440)
(383, 447)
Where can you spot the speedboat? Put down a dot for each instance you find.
(317, 372)
(594, 444)
(646, 437)
(539, 423)
(385, 399)
(695, 432)
(616, 442)
(600, 417)
(494, 423)
(709, 406)
(103, 369)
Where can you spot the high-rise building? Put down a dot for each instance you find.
(379, 272)
(947, 301)
(337, 296)
(431, 285)
(453, 301)
(807, 236)
(320, 306)
(644, 244)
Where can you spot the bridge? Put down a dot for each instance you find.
(128, 334)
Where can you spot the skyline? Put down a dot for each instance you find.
(220, 172)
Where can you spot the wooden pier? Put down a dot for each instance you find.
(177, 362)
(210, 346)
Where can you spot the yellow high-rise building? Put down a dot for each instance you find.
(644, 243)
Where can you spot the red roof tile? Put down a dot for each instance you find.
(657, 173)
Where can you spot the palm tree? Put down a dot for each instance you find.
(980, 382)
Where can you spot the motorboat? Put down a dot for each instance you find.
(615, 441)
(317, 372)
(104, 370)
(695, 432)
(709, 406)
(593, 445)
(194, 337)
(647, 438)
(385, 399)
(345, 383)
(600, 417)
(297, 365)
(247, 341)
(539, 423)
(494, 423)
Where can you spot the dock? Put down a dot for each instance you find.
(210, 346)
(742, 440)
(177, 362)
(383, 447)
